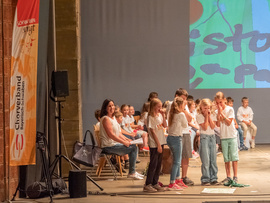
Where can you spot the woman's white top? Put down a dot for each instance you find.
(106, 141)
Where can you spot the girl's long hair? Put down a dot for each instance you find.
(178, 101)
(153, 103)
(145, 108)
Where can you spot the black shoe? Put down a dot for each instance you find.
(126, 165)
(138, 161)
(205, 184)
(187, 181)
(243, 148)
(214, 182)
(116, 167)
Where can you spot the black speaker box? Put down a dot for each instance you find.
(77, 184)
(60, 83)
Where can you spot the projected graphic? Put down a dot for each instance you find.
(229, 44)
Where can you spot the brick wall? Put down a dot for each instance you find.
(67, 59)
(7, 186)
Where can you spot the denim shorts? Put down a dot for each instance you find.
(230, 149)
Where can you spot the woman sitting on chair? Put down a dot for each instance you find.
(113, 141)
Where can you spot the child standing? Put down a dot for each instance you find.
(193, 125)
(156, 123)
(237, 127)
(177, 121)
(245, 116)
(228, 136)
(206, 118)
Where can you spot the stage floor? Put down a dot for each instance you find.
(253, 170)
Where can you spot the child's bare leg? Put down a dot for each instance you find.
(125, 157)
(184, 164)
(228, 169)
(234, 165)
(145, 139)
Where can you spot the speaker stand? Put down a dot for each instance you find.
(57, 159)
(60, 156)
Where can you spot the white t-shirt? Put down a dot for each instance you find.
(131, 119)
(106, 141)
(126, 124)
(156, 124)
(184, 130)
(244, 114)
(143, 119)
(193, 115)
(209, 130)
(179, 122)
(228, 131)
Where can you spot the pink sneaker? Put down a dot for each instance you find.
(181, 183)
(160, 184)
(174, 186)
(145, 149)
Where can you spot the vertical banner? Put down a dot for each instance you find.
(24, 83)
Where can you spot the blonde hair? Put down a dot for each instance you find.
(118, 114)
(178, 101)
(205, 102)
(220, 95)
(153, 103)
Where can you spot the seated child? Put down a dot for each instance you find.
(245, 116)
(119, 117)
(126, 125)
(97, 116)
(144, 114)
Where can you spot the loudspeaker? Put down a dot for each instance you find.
(60, 83)
(77, 183)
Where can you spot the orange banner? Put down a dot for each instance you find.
(24, 83)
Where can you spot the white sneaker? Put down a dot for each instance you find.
(252, 144)
(138, 174)
(135, 176)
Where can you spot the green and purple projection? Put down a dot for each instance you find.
(229, 44)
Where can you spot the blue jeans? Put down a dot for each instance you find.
(175, 145)
(209, 158)
(241, 138)
(120, 149)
